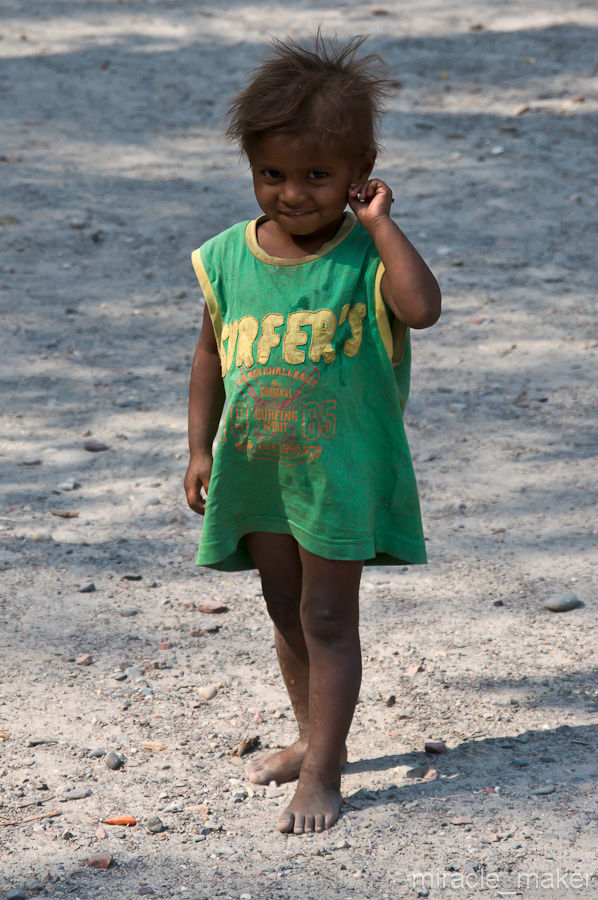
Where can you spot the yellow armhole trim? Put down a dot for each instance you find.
(393, 339)
(209, 295)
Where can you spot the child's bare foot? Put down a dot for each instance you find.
(282, 766)
(315, 807)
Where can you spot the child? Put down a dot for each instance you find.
(307, 338)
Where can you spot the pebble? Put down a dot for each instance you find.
(16, 894)
(461, 820)
(146, 891)
(343, 845)
(206, 693)
(96, 754)
(155, 825)
(100, 861)
(86, 659)
(164, 645)
(211, 606)
(435, 747)
(128, 611)
(225, 851)
(544, 789)
(131, 576)
(69, 486)
(75, 794)
(134, 672)
(114, 760)
(273, 792)
(29, 461)
(562, 602)
(87, 588)
(95, 446)
(519, 763)
(410, 771)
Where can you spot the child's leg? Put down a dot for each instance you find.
(277, 559)
(330, 620)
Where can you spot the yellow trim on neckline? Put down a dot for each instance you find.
(259, 253)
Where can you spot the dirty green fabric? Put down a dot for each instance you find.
(316, 374)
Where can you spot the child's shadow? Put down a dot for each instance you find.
(523, 763)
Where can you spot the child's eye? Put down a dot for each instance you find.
(271, 173)
(318, 175)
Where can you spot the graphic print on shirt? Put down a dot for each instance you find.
(274, 419)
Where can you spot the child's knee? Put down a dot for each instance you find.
(282, 603)
(326, 621)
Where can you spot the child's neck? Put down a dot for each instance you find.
(277, 242)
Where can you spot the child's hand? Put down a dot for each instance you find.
(370, 201)
(198, 476)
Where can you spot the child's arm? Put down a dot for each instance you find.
(206, 401)
(408, 286)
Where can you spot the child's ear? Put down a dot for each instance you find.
(364, 167)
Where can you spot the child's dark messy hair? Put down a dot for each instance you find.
(325, 89)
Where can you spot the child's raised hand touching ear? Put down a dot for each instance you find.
(370, 201)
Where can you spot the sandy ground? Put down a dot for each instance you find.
(113, 169)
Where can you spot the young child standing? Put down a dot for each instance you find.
(307, 339)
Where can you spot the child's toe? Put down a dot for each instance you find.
(286, 822)
(309, 823)
(299, 824)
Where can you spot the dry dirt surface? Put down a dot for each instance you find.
(113, 169)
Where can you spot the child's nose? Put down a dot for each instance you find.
(292, 192)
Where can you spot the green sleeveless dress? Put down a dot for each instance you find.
(316, 374)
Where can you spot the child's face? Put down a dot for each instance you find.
(302, 186)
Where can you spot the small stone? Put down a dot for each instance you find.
(96, 754)
(562, 602)
(155, 825)
(225, 851)
(146, 891)
(120, 676)
(114, 760)
(87, 588)
(206, 693)
(273, 792)
(67, 835)
(29, 461)
(78, 220)
(544, 789)
(435, 747)
(461, 820)
(100, 861)
(86, 659)
(211, 606)
(69, 486)
(164, 645)
(390, 701)
(16, 894)
(342, 845)
(95, 446)
(128, 611)
(75, 794)
(131, 576)
(196, 632)
(134, 672)
(519, 763)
